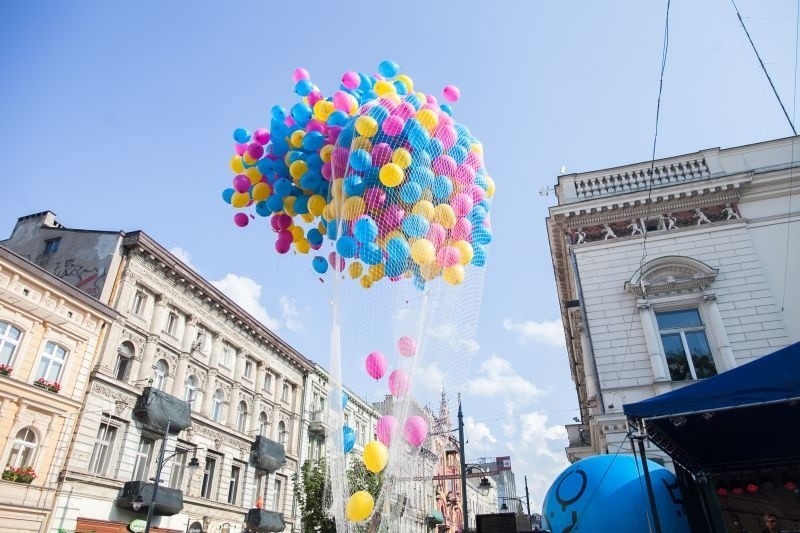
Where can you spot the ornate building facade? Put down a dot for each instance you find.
(672, 271)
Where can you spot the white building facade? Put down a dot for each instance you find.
(672, 271)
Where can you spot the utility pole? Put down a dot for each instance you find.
(528, 500)
(464, 512)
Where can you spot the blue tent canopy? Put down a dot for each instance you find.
(744, 417)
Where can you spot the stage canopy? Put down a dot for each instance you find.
(745, 418)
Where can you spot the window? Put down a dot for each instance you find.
(178, 469)
(23, 451)
(685, 344)
(208, 477)
(51, 363)
(263, 424)
(241, 417)
(278, 494)
(144, 454)
(233, 485)
(160, 371)
(103, 445)
(226, 357)
(282, 433)
(139, 303)
(172, 323)
(191, 388)
(248, 369)
(285, 393)
(201, 341)
(267, 386)
(51, 246)
(9, 339)
(216, 405)
(124, 361)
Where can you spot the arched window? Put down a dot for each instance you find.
(24, 450)
(160, 370)
(282, 432)
(52, 363)
(9, 340)
(216, 405)
(263, 424)
(190, 391)
(124, 361)
(241, 417)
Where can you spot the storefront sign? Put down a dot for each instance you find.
(137, 526)
(195, 527)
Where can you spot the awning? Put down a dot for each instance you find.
(261, 521)
(434, 517)
(744, 417)
(139, 494)
(156, 409)
(266, 454)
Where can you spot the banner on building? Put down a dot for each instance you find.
(503, 463)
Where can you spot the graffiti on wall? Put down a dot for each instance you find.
(88, 279)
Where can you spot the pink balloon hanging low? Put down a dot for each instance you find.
(376, 365)
(385, 428)
(406, 346)
(416, 430)
(398, 383)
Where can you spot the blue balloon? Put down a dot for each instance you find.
(314, 236)
(303, 87)
(353, 185)
(395, 267)
(400, 87)
(360, 159)
(265, 165)
(583, 497)
(442, 188)
(421, 175)
(459, 153)
(365, 230)
(435, 147)
(397, 249)
(379, 113)
(370, 253)
(278, 115)
(241, 135)
(301, 204)
(411, 192)
(262, 209)
(388, 68)
(447, 109)
(346, 246)
(478, 255)
(320, 264)
(349, 438)
(227, 194)
(332, 230)
(481, 234)
(301, 113)
(313, 140)
(337, 118)
(415, 226)
(275, 203)
(282, 188)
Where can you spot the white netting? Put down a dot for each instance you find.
(393, 194)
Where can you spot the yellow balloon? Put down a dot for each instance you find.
(353, 208)
(428, 118)
(444, 215)
(325, 153)
(297, 169)
(297, 233)
(423, 252)
(384, 87)
(240, 199)
(366, 126)
(453, 275)
(366, 282)
(405, 80)
(375, 456)
(359, 506)
(430, 271)
(391, 175)
(355, 270)
(247, 159)
(489, 186)
(336, 188)
(236, 165)
(401, 157)
(253, 174)
(466, 251)
(376, 272)
(307, 217)
(323, 109)
(302, 246)
(288, 205)
(393, 97)
(476, 147)
(316, 203)
(361, 143)
(296, 140)
(424, 208)
(260, 191)
(328, 213)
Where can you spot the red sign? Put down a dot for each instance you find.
(503, 463)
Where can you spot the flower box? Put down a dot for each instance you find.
(47, 385)
(5, 370)
(19, 475)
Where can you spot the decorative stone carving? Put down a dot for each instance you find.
(666, 222)
(669, 276)
(701, 217)
(636, 228)
(608, 233)
(730, 213)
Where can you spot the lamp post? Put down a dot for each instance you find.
(193, 463)
(484, 486)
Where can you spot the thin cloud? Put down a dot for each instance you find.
(549, 332)
(247, 293)
(184, 256)
(290, 316)
(496, 377)
(477, 431)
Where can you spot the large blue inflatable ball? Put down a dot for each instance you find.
(608, 493)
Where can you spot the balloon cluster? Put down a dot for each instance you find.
(379, 169)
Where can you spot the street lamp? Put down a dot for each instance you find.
(193, 464)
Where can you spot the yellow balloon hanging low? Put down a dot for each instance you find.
(375, 455)
(359, 506)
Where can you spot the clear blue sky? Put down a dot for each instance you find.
(118, 116)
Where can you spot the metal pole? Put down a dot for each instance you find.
(157, 480)
(464, 512)
(528, 500)
(649, 485)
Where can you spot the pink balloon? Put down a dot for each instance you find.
(406, 346)
(381, 154)
(462, 231)
(241, 183)
(376, 365)
(282, 245)
(398, 383)
(300, 74)
(416, 430)
(255, 150)
(444, 165)
(342, 101)
(448, 256)
(261, 136)
(374, 197)
(314, 97)
(332, 257)
(351, 79)
(241, 219)
(451, 93)
(393, 125)
(436, 234)
(385, 428)
(461, 204)
(240, 148)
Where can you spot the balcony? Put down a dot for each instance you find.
(318, 424)
(267, 455)
(261, 521)
(168, 501)
(157, 411)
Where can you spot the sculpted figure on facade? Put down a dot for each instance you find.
(730, 213)
(580, 236)
(635, 227)
(666, 222)
(608, 233)
(701, 217)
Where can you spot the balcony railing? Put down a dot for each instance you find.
(579, 435)
(261, 521)
(266, 454)
(137, 495)
(318, 423)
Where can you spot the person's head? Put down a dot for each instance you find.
(770, 520)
